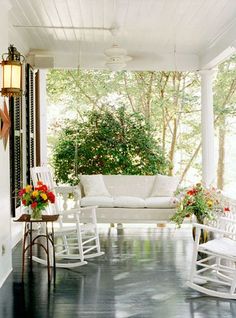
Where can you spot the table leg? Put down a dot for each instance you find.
(31, 247)
(54, 255)
(48, 258)
(23, 252)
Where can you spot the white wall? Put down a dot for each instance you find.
(5, 216)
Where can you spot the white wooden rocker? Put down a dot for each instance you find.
(217, 267)
(74, 241)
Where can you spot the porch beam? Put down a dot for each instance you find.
(207, 128)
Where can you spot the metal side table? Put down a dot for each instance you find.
(29, 241)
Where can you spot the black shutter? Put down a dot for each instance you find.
(18, 150)
(16, 155)
(30, 121)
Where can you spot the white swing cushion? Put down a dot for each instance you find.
(161, 202)
(223, 246)
(164, 186)
(129, 202)
(101, 202)
(94, 186)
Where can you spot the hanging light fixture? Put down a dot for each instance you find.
(12, 72)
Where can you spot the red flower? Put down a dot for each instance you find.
(24, 202)
(34, 205)
(192, 192)
(39, 183)
(227, 209)
(51, 197)
(43, 188)
(21, 192)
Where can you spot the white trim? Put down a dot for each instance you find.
(5, 277)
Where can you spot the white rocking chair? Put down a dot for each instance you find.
(215, 273)
(74, 241)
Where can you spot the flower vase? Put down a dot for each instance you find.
(204, 236)
(36, 214)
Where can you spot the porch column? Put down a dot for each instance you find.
(207, 128)
(43, 116)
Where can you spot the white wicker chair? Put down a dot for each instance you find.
(75, 241)
(216, 268)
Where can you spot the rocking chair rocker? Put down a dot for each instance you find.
(74, 241)
(217, 267)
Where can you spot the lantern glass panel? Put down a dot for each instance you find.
(16, 76)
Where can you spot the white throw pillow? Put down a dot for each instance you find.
(94, 186)
(164, 186)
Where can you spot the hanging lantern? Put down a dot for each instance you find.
(12, 72)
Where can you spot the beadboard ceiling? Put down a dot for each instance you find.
(158, 34)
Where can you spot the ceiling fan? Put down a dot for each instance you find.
(116, 57)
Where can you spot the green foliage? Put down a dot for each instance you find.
(109, 142)
(168, 101)
(198, 201)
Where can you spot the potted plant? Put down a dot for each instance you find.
(36, 198)
(203, 203)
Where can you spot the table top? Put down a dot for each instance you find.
(45, 218)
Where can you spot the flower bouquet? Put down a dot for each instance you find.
(205, 204)
(37, 198)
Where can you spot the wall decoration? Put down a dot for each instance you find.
(5, 124)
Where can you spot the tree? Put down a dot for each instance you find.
(110, 141)
(225, 108)
(167, 101)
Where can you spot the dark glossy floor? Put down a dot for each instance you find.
(141, 275)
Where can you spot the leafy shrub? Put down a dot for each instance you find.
(109, 142)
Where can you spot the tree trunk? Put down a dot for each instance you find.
(172, 148)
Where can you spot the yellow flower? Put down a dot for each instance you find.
(209, 203)
(35, 193)
(43, 196)
(28, 188)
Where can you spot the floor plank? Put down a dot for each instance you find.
(142, 274)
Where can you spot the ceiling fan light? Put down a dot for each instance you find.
(115, 66)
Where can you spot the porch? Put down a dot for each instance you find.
(158, 35)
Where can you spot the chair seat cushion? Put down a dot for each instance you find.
(129, 202)
(222, 246)
(100, 201)
(161, 202)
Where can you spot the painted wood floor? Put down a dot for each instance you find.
(141, 275)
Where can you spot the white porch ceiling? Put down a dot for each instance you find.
(158, 34)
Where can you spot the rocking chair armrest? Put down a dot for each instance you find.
(78, 210)
(68, 189)
(71, 211)
(211, 229)
(224, 218)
